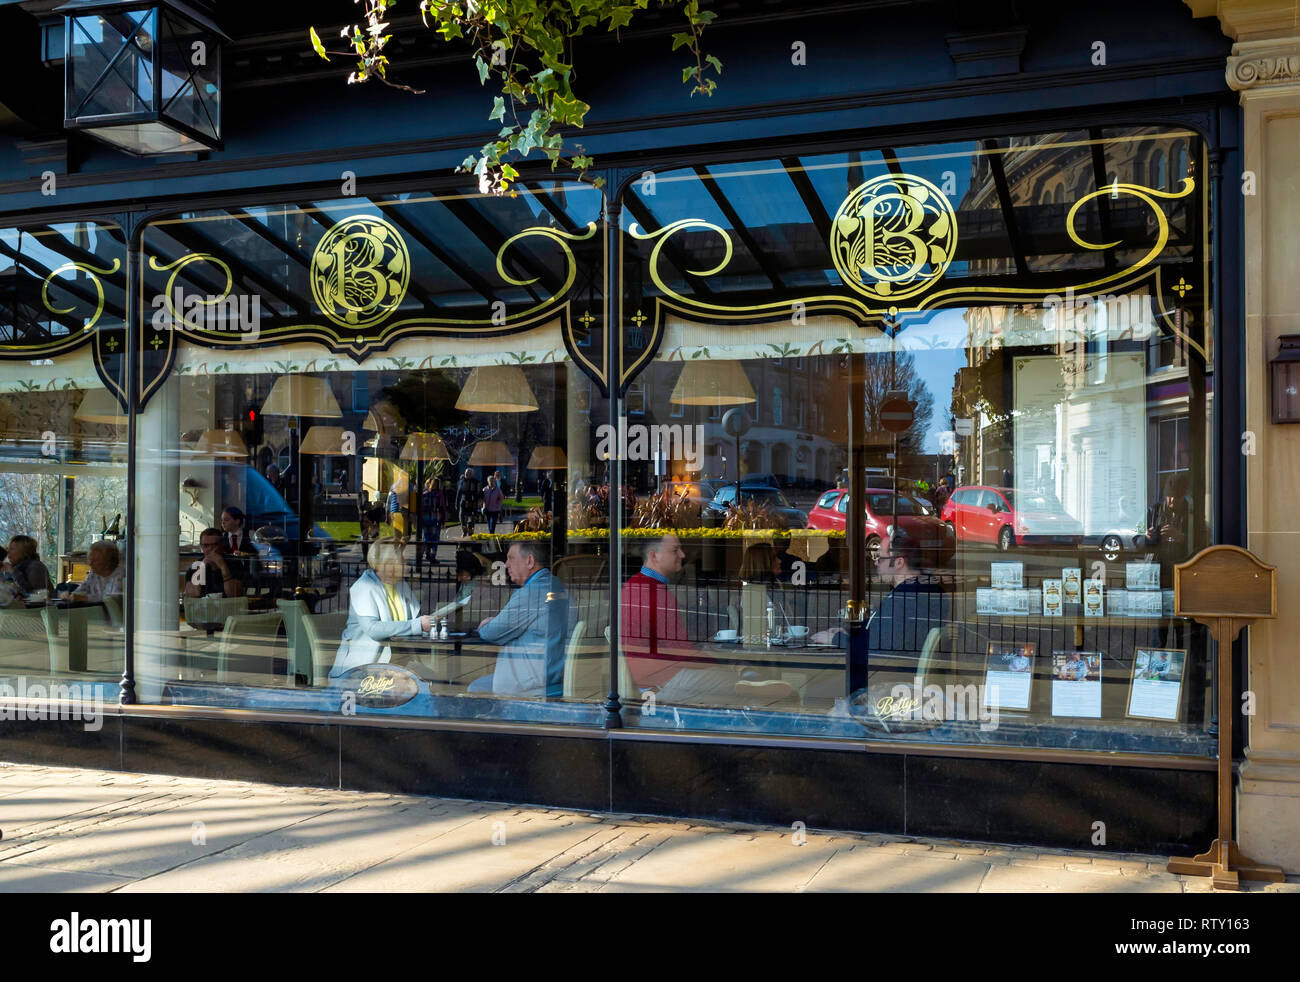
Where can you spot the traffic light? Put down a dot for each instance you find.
(250, 426)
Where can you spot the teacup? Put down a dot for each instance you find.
(798, 631)
(726, 636)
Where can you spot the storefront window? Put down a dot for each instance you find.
(1010, 398)
(63, 473)
(371, 447)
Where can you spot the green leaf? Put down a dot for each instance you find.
(680, 40)
(620, 17)
(498, 108)
(483, 69)
(570, 111)
(714, 62)
(316, 44)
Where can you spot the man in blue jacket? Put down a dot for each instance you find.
(531, 630)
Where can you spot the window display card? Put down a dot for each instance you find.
(1071, 585)
(1076, 683)
(1012, 603)
(985, 600)
(1007, 576)
(1157, 685)
(1117, 602)
(1009, 675)
(1166, 603)
(1145, 603)
(1142, 576)
(1093, 593)
(1052, 598)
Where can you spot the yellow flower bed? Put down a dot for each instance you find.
(649, 533)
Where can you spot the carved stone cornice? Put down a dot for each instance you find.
(1256, 64)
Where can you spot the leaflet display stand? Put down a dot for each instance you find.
(1225, 588)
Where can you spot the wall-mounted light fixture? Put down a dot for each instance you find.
(1286, 379)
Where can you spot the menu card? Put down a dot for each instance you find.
(1071, 580)
(1092, 599)
(1051, 598)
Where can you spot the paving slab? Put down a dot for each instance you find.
(859, 869)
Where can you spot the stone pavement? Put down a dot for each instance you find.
(105, 831)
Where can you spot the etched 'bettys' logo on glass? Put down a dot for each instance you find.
(893, 237)
(360, 271)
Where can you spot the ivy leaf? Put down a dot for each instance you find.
(714, 62)
(498, 108)
(316, 44)
(570, 110)
(679, 40)
(620, 17)
(483, 69)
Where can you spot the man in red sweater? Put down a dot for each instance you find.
(659, 653)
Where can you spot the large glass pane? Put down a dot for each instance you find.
(999, 348)
(364, 457)
(63, 480)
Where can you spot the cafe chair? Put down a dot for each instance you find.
(213, 611)
(113, 611)
(582, 663)
(27, 641)
(247, 638)
(299, 650)
(323, 634)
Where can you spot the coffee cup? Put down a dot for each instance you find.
(725, 636)
(798, 631)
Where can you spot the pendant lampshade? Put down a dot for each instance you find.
(497, 389)
(424, 446)
(324, 441)
(100, 406)
(491, 453)
(222, 443)
(548, 459)
(302, 395)
(712, 383)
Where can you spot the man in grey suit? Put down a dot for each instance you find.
(531, 630)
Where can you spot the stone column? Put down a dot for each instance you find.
(1265, 69)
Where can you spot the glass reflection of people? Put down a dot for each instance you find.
(532, 629)
(660, 655)
(1074, 669)
(381, 607)
(23, 566)
(274, 479)
(106, 574)
(433, 512)
(1168, 523)
(234, 532)
(222, 574)
(467, 501)
(493, 501)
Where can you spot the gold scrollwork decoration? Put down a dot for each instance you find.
(94, 273)
(169, 293)
(559, 237)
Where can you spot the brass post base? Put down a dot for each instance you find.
(1227, 869)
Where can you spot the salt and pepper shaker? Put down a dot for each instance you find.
(442, 630)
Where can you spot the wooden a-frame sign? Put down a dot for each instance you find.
(1225, 588)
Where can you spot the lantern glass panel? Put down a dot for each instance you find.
(1286, 392)
(97, 43)
(190, 82)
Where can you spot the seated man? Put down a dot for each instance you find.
(532, 629)
(220, 575)
(898, 629)
(659, 653)
(23, 567)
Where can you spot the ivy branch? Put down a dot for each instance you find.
(526, 48)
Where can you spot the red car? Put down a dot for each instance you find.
(978, 513)
(915, 517)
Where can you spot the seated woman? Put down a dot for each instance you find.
(106, 574)
(24, 568)
(380, 607)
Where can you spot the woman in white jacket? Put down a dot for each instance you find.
(380, 606)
